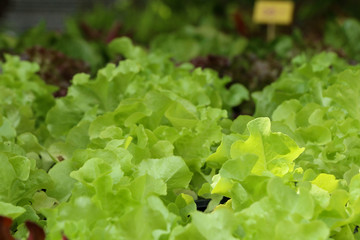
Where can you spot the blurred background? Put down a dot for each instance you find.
(20, 15)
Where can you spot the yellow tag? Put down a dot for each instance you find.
(273, 12)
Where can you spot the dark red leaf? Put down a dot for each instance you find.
(89, 32)
(36, 232)
(240, 24)
(5, 224)
(113, 32)
(56, 68)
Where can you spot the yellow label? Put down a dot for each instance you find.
(273, 12)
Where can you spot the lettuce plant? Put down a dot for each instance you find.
(126, 154)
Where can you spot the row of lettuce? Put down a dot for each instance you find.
(211, 41)
(126, 154)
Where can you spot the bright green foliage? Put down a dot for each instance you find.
(116, 135)
(321, 116)
(262, 151)
(25, 98)
(304, 81)
(275, 151)
(24, 160)
(136, 77)
(126, 155)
